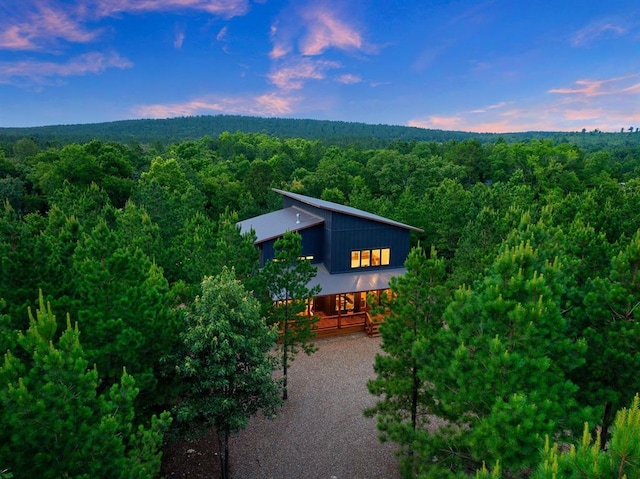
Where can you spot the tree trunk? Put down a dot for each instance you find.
(285, 350)
(606, 423)
(225, 472)
(220, 448)
(284, 372)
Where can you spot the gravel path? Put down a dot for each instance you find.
(320, 433)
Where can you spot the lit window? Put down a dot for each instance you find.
(370, 257)
(385, 256)
(355, 259)
(375, 257)
(365, 258)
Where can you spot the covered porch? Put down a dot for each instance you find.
(345, 301)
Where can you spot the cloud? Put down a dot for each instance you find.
(622, 85)
(222, 34)
(312, 29)
(270, 104)
(561, 110)
(36, 28)
(37, 25)
(595, 31)
(178, 40)
(224, 8)
(496, 106)
(94, 62)
(349, 79)
(325, 30)
(293, 75)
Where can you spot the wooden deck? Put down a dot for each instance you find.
(349, 323)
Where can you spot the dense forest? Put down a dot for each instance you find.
(339, 133)
(526, 279)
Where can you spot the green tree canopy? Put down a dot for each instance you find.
(55, 424)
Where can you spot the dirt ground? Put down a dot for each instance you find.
(196, 458)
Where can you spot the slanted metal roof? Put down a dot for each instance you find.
(347, 210)
(353, 282)
(275, 224)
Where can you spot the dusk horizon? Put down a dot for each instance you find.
(494, 66)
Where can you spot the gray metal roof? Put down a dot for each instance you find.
(275, 224)
(353, 282)
(347, 210)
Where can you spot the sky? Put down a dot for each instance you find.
(481, 66)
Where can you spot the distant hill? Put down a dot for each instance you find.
(329, 132)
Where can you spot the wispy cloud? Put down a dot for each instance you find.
(314, 28)
(179, 39)
(270, 104)
(38, 71)
(622, 85)
(326, 30)
(293, 75)
(349, 79)
(36, 25)
(495, 106)
(598, 30)
(224, 8)
(606, 104)
(39, 26)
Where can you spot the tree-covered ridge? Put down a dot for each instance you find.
(537, 254)
(341, 133)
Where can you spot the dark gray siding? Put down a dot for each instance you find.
(344, 233)
(351, 233)
(312, 245)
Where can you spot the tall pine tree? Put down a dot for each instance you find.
(415, 315)
(287, 277)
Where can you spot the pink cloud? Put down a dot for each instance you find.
(325, 30)
(94, 62)
(609, 86)
(42, 25)
(225, 8)
(292, 76)
(270, 104)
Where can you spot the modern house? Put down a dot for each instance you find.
(356, 254)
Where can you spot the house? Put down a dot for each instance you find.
(356, 254)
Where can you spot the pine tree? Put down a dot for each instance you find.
(610, 323)
(287, 277)
(500, 370)
(55, 424)
(419, 299)
(227, 368)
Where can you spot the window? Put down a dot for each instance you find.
(370, 257)
(365, 258)
(355, 259)
(385, 256)
(375, 257)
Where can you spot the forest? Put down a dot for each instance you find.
(516, 323)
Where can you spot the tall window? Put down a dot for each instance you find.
(370, 257)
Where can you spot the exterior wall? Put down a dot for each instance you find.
(353, 233)
(343, 233)
(312, 245)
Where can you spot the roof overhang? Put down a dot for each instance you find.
(353, 282)
(277, 223)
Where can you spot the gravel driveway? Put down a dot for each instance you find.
(320, 432)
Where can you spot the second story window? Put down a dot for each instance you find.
(370, 257)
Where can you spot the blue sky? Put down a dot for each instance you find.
(498, 66)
